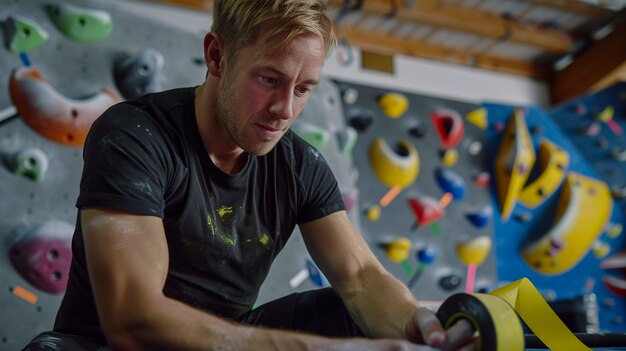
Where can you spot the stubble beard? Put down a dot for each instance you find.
(227, 120)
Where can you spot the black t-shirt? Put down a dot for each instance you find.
(223, 231)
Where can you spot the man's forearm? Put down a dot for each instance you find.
(172, 325)
(381, 305)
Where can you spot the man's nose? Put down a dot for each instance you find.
(282, 105)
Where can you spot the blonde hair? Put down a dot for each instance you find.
(238, 22)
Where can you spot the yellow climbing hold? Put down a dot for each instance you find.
(450, 157)
(600, 249)
(474, 251)
(373, 213)
(398, 250)
(394, 105)
(397, 167)
(614, 230)
(478, 117)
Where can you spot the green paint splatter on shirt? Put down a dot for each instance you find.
(224, 210)
(227, 238)
(264, 239)
(211, 224)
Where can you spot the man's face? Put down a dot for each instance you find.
(262, 92)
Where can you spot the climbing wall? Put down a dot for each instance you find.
(556, 220)
(63, 62)
(596, 125)
(424, 201)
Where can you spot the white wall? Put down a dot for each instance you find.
(412, 75)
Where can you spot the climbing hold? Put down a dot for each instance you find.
(618, 192)
(346, 139)
(318, 137)
(81, 24)
(475, 147)
(474, 251)
(427, 255)
(619, 154)
(580, 109)
(554, 162)
(350, 96)
(316, 275)
(138, 74)
(361, 123)
(22, 35)
(592, 129)
(450, 157)
(30, 162)
(398, 250)
(478, 117)
(602, 142)
(418, 130)
(426, 210)
(482, 179)
(398, 167)
(513, 163)
(54, 116)
(43, 256)
(535, 130)
(606, 114)
(449, 126)
(394, 105)
(617, 285)
(450, 282)
(450, 182)
(481, 218)
(523, 216)
(584, 209)
(600, 249)
(350, 199)
(373, 213)
(614, 230)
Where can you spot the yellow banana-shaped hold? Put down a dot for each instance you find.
(514, 161)
(584, 209)
(554, 162)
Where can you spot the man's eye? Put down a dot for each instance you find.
(301, 91)
(269, 80)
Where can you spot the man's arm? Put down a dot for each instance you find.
(380, 304)
(127, 258)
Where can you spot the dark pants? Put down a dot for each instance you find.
(318, 311)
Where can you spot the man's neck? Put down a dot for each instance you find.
(229, 160)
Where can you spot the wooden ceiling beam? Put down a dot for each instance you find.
(574, 6)
(373, 41)
(594, 69)
(471, 21)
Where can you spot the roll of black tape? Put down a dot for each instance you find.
(498, 325)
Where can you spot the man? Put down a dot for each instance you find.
(188, 195)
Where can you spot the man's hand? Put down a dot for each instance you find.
(425, 328)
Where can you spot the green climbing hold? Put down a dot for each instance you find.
(22, 35)
(81, 24)
(346, 140)
(30, 163)
(318, 137)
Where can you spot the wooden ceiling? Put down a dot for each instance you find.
(530, 38)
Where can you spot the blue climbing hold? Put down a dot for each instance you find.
(451, 182)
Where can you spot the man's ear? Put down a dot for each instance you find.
(213, 54)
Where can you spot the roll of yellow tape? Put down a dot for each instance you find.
(495, 317)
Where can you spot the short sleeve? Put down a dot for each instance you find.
(320, 192)
(124, 166)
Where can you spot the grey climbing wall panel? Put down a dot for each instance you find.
(436, 242)
(77, 71)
